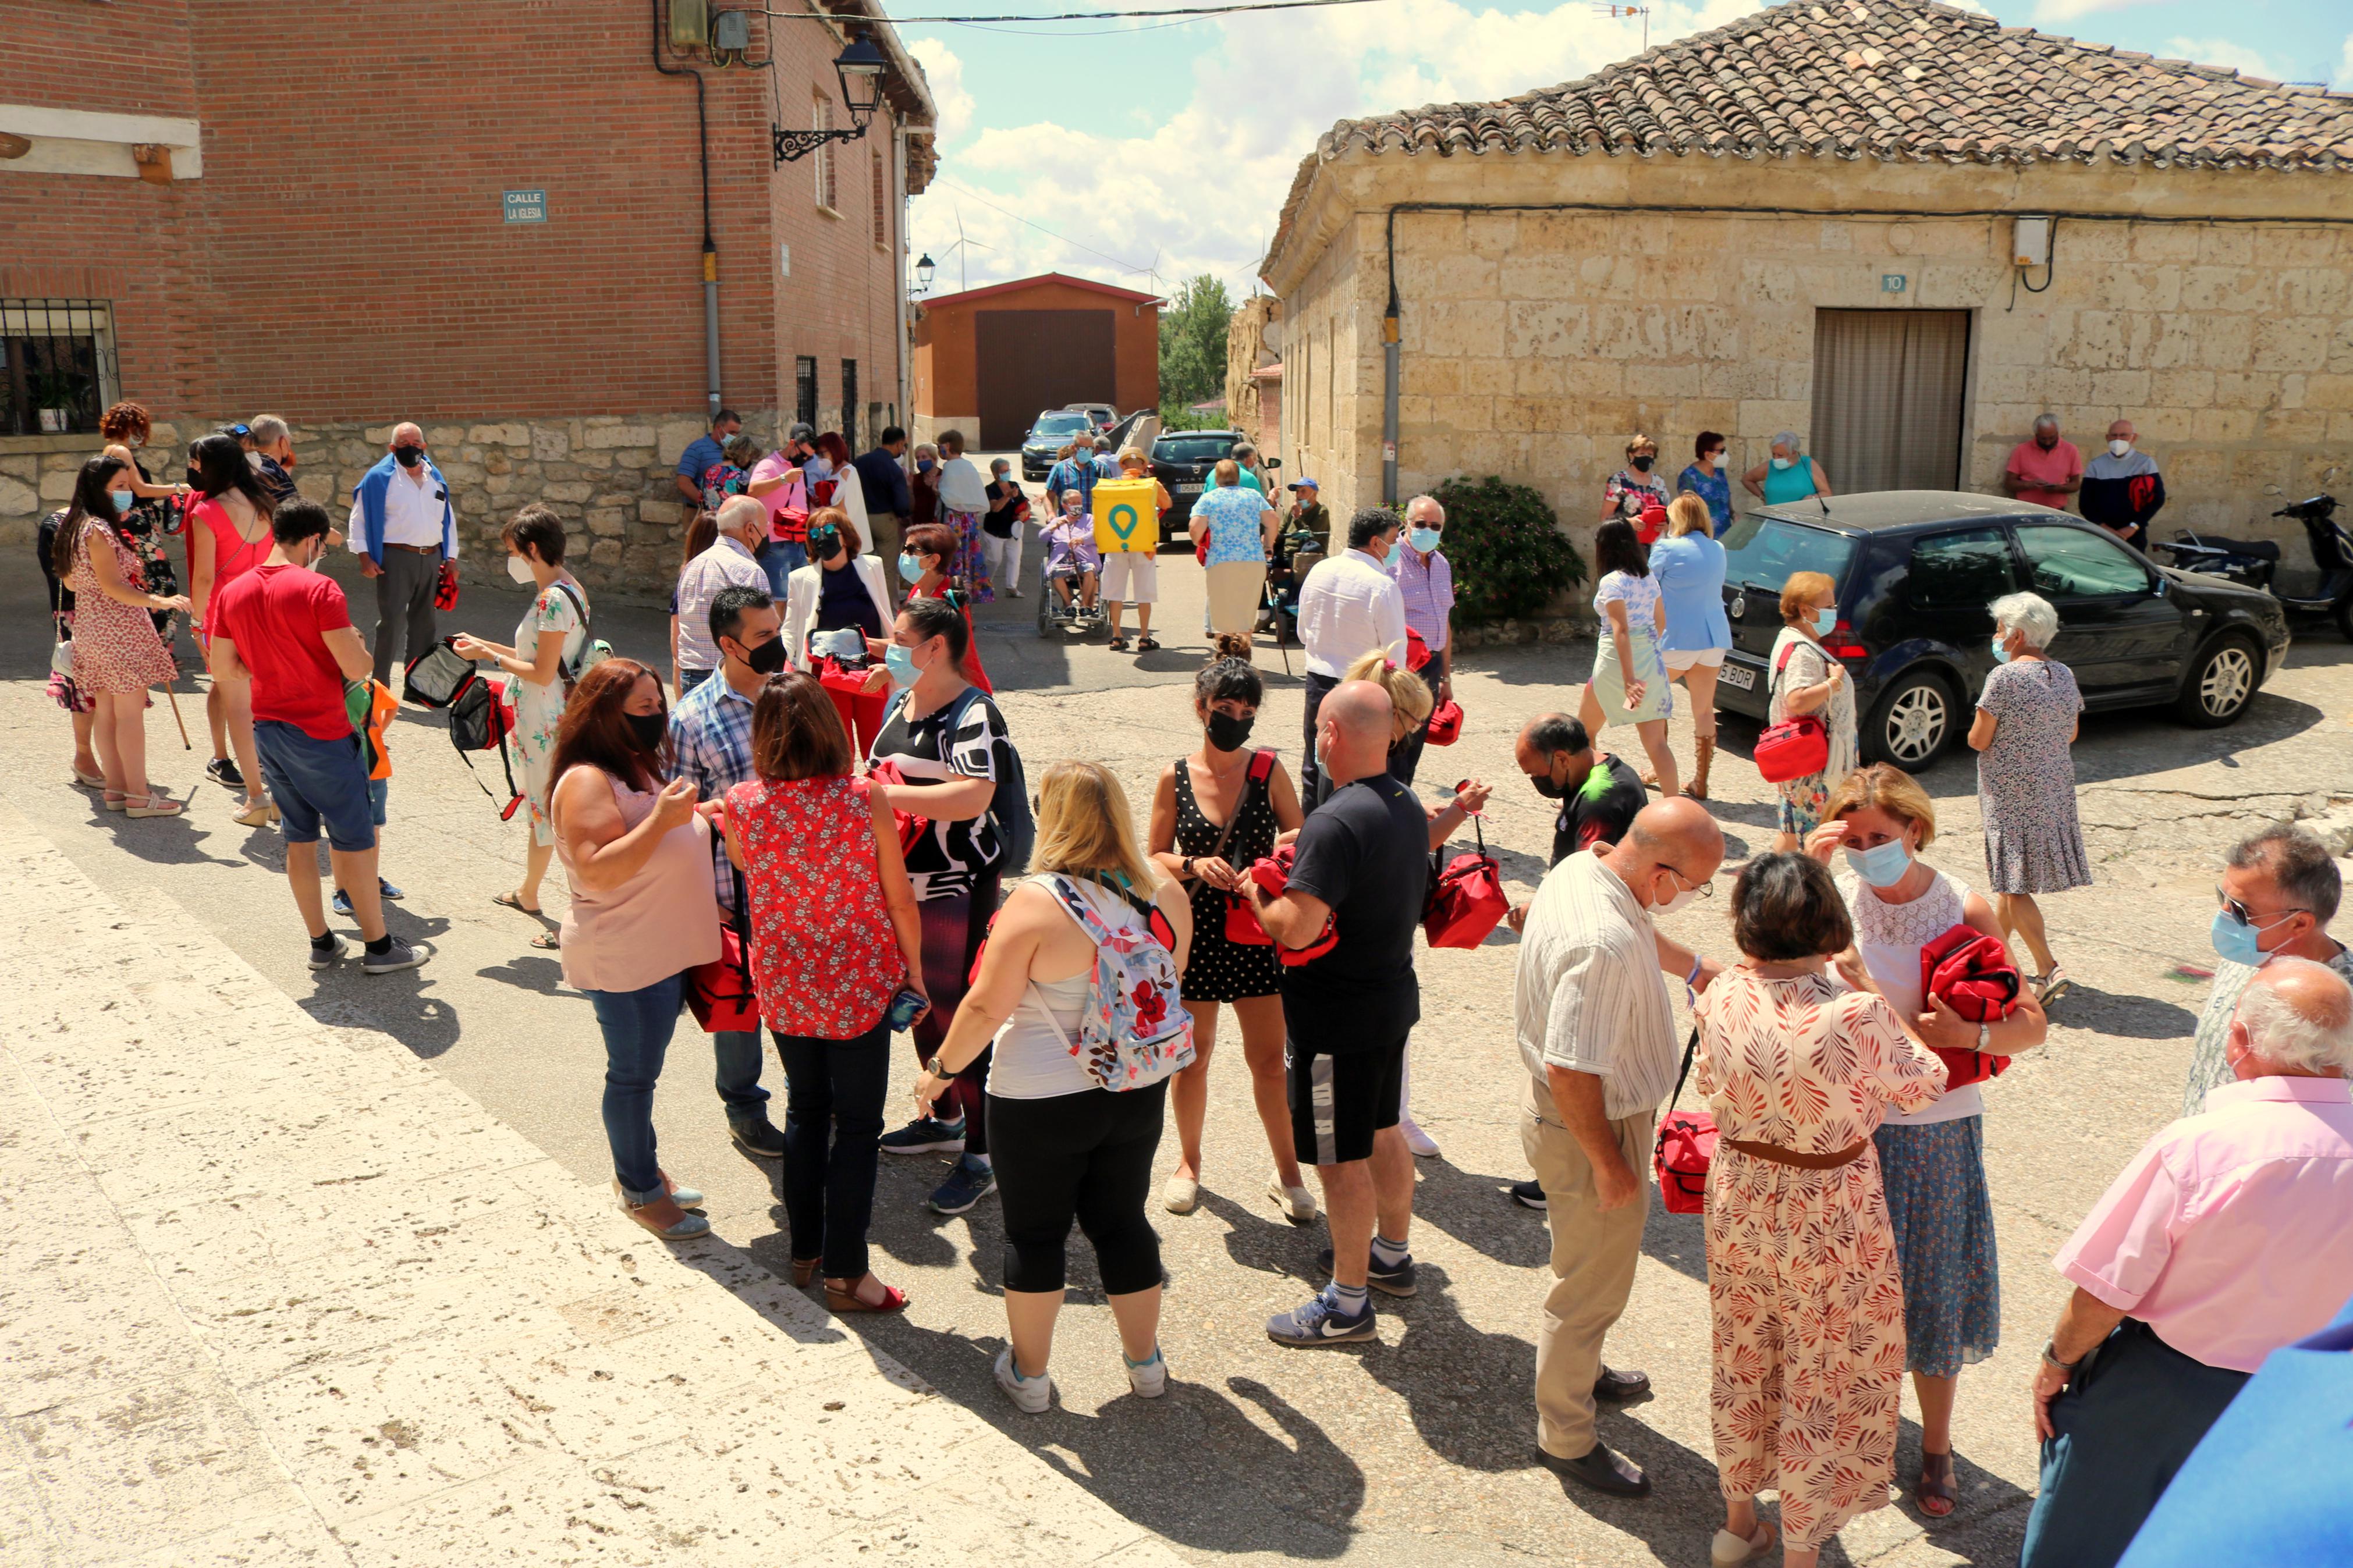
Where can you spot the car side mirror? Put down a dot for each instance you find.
(1272, 463)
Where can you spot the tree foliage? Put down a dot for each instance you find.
(1193, 343)
(1509, 556)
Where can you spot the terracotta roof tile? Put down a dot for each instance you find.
(1892, 80)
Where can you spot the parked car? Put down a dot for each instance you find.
(1182, 460)
(1050, 435)
(1915, 570)
(1102, 414)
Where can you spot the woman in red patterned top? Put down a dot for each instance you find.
(835, 936)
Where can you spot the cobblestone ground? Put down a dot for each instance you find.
(1395, 1453)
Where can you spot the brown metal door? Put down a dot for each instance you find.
(1034, 359)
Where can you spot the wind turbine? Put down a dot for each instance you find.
(962, 246)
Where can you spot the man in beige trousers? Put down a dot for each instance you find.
(1597, 1034)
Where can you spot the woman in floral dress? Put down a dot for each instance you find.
(554, 629)
(2027, 717)
(117, 654)
(1630, 674)
(1803, 1291)
(835, 935)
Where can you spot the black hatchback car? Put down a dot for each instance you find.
(1916, 571)
(1181, 459)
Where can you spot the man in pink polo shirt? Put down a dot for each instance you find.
(2045, 470)
(2229, 1235)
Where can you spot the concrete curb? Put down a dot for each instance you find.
(276, 1292)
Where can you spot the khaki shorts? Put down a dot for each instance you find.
(1713, 658)
(1130, 577)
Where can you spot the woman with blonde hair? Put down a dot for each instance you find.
(1688, 566)
(1064, 1147)
(1804, 679)
(1931, 1156)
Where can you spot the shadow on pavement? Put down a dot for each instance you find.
(2129, 1017)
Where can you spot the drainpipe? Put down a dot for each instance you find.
(903, 330)
(709, 247)
(1389, 376)
(710, 326)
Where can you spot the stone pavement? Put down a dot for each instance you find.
(276, 1292)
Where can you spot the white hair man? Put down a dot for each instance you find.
(732, 562)
(2227, 1236)
(2122, 489)
(402, 527)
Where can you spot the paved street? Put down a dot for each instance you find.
(1414, 1448)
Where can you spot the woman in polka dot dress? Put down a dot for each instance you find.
(1214, 813)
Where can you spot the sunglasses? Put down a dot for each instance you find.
(2247, 917)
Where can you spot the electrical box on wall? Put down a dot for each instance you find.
(690, 24)
(731, 30)
(2030, 242)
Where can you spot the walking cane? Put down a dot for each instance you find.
(174, 696)
(1266, 602)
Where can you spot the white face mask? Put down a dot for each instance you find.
(519, 569)
(1681, 896)
(2118, 448)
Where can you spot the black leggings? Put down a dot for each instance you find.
(954, 928)
(1087, 1157)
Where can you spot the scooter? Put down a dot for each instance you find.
(2326, 589)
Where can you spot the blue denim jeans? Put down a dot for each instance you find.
(780, 561)
(636, 1027)
(833, 1113)
(737, 1054)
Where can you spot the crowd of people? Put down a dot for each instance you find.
(816, 822)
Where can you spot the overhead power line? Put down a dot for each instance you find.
(1033, 223)
(1070, 15)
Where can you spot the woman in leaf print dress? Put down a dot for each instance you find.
(1803, 1289)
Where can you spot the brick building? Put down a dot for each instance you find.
(987, 360)
(1815, 219)
(490, 220)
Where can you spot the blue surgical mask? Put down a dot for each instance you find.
(1392, 555)
(1824, 619)
(123, 500)
(2000, 649)
(923, 465)
(910, 568)
(1321, 765)
(1781, 462)
(1882, 865)
(899, 659)
(1425, 540)
(2235, 940)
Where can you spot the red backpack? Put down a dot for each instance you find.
(1973, 974)
(1797, 745)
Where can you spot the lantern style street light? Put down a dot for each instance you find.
(859, 67)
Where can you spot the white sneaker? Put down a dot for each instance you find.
(1297, 1204)
(1421, 1143)
(1031, 1395)
(1150, 1381)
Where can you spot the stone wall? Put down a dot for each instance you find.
(1246, 351)
(1535, 343)
(608, 476)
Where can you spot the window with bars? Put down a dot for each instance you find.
(881, 195)
(57, 365)
(805, 390)
(828, 196)
(849, 403)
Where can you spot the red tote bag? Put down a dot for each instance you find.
(720, 994)
(1272, 873)
(1973, 974)
(1466, 900)
(1685, 1148)
(1795, 747)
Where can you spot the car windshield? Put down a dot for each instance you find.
(1765, 551)
(1060, 424)
(1191, 448)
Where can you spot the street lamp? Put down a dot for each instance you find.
(923, 270)
(859, 67)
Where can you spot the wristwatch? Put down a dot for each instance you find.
(1985, 1033)
(2051, 1358)
(936, 1070)
(1188, 865)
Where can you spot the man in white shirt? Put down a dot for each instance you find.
(964, 495)
(730, 563)
(1598, 1035)
(1348, 607)
(402, 527)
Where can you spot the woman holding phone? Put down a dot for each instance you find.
(836, 942)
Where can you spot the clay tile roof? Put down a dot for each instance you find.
(1892, 80)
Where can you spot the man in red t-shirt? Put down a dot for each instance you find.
(284, 629)
(2045, 470)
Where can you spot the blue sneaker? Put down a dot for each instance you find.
(1394, 1281)
(924, 1135)
(386, 890)
(1321, 1322)
(342, 904)
(965, 1186)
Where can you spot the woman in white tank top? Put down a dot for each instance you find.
(1932, 1161)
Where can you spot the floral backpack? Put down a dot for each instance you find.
(1135, 1031)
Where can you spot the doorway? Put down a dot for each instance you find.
(1034, 359)
(1888, 391)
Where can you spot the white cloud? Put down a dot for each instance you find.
(2224, 52)
(2054, 13)
(1201, 191)
(2345, 65)
(946, 73)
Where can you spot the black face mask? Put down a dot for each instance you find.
(766, 660)
(409, 456)
(1228, 732)
(823, 545)
(1546, 787)
(648, 729)
(1642, 465)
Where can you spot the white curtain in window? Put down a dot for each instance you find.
(1888, 388)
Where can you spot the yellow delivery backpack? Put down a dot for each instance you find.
(1127, 516)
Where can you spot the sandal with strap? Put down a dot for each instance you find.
(845, 1298)
(89, 781)
(1147, 645)
(805, 1269)
(151, 805)
(1117, 645)
(115, 799)
(1935, 1485)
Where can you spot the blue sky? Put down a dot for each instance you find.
(1143, 152)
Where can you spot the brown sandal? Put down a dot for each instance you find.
(1936, 1485)
(805, 1269)
(841, 1299)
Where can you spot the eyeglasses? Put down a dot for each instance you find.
(2247, 917)
(1704, 887)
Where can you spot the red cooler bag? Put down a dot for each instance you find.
(1795, 747)
(720, 992)
(1466, 900)
(1973, 974)
(1445, 723)
(1685, 1148)
(1272, 874)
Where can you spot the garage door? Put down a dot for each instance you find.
(1030, 360)
(1888, 387)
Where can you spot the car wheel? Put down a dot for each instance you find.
(1913, 723)
(2221, 683)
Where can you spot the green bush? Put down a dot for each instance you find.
(1510, 557)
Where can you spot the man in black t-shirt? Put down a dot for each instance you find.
(1364, 867)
